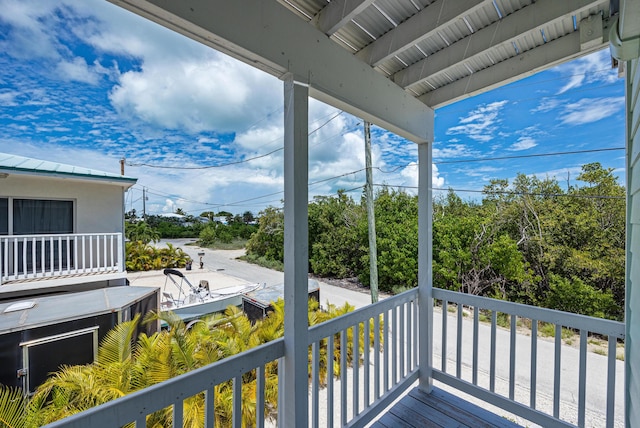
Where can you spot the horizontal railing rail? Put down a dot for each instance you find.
(172, 393)
(24, 257)
(384, 360)
(520, 393)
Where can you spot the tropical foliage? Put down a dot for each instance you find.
(530, 241)
(143, 257)
(126, 364)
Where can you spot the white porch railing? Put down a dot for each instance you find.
(395, 334)
(384, 365)
(505, 370)
(30, 257)
(389, 362)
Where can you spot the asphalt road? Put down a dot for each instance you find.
(227, 262)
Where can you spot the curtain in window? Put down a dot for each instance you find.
(4, 216)
(33, 216)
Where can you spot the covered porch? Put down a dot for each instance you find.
(410, 339)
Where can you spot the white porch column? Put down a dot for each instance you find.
(296, 255)
(425, 257)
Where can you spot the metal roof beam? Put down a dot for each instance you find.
(629, 24)
(266, 35)
(515, 68)
(420, 26)
(505, 31)
(338, 13)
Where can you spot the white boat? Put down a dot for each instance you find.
(195, 301)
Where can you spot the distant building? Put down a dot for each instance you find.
(61, 227)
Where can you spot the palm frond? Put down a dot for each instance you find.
(13, 407)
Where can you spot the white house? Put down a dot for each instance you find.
(61, 227)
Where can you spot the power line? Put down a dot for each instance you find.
(234, 162)
(443, 162)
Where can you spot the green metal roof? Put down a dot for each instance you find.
(19, 164)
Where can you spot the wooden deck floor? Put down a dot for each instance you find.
(439, 409)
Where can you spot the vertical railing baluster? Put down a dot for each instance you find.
(512, 357)
(492, 360)
(330, 360)
(280, 391)
(178, 414)
(237, 402)
(459, 343)
(365, 362)
(24, 258)
(476, 316)
(445, 316)
(582, 378)
(410, 336)
(556, 372)
(385, 347)
(84, 255)
(394, 346)
(106, 254)
(59, 245)
(91, 238)
(97, 253)
(402, 341)
(343, 377)
(376, 357)
(533, 381)
(52, 268)
(315, 383)
(34, 260)
(611, 379)
(75, 254)
(356, 368)
(141, 422)
(112, 263)
(209, 407)
(68, 242)
(43, 259)
(415, 333)
(260, 385)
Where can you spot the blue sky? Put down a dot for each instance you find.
(87, 83)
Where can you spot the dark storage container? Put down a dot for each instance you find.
(39, 334)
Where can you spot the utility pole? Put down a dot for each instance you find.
(371, 218)
(122, 166)
(144, 204)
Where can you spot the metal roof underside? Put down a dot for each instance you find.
(13, 164)
(436, 52)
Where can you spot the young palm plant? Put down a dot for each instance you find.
(126, 364)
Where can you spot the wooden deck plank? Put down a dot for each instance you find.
(389, 420)
(440, 409)
(421, 415)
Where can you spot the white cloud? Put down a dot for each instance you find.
(588, 110)
(589, 69)
(481, 124)
(77, 70)
(453, 151)
(523, 143)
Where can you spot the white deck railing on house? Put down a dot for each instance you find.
(32, 257)
(508, 372)
(386, 366)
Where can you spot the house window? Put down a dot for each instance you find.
(4, 216)
(38, 216)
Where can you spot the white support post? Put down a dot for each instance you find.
(296, 254)
(425, 257)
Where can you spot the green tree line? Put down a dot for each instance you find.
(531, 241)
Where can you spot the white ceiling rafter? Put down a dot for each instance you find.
(483, 41)
(420, 26)
(512, 69)
(338, 13)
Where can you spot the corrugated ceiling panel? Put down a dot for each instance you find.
(304, 8)
(507, 7)
(398, 10)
